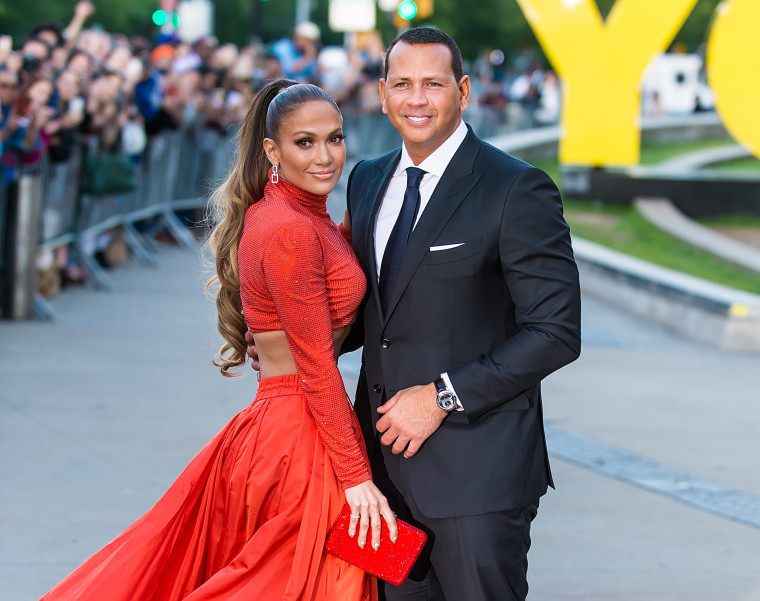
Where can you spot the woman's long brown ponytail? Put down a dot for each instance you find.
(228, 205)
(243, 188)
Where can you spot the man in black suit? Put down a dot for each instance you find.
(465, 315)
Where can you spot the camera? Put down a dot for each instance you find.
(29, 63)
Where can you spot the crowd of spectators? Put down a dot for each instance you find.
(64, 88)
(64, 83)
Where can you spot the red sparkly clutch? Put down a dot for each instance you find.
(392, 562)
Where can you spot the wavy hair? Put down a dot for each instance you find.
(230, 201)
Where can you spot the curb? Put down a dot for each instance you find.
(717, 315)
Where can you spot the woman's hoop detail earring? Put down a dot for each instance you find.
(275, 177)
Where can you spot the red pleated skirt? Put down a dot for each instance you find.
(246, 520)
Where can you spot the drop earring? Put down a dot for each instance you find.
(275, 177)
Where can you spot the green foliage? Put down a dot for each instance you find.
(629, 232)
(696, 29)
(733, 221)
(653, 152)
(477, 27)
(501, 24)
(238, 21)
(745, 164)
(131, 17)
(17, 18)
(623, 228)
(485, 25)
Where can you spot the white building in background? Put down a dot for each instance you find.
(673, 84)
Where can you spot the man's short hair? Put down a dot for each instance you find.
(51, 26)
(429, 35)
(42, 43)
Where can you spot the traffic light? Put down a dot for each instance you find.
(160, 17)
(412, 9)
(407, 10)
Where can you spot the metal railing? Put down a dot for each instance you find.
(47, 207)
(5, 288)
(176, 172)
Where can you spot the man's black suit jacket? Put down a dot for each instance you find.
(499, 313)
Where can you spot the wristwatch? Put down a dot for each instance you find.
(444, 398)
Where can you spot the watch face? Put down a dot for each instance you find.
(446, 401)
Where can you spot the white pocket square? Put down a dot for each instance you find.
(445, 246)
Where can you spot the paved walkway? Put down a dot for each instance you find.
(101, 409)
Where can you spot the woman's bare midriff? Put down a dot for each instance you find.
(275, 356)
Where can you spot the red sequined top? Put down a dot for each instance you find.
(299, 274)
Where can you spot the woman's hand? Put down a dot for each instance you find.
(369, 504)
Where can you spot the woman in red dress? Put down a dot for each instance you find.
(248, 518)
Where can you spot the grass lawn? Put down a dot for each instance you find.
(733, 220)
(746, 164)
(622, 228)
(657, 152)
(625, 230)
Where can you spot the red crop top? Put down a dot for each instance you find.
(299, 274)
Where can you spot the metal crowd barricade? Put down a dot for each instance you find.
(58, 214)
(3, 211)
(4, 276)
(369, 135)
(165, 176)
(208, 155)
(168, 180)
(20, 240)
(176, 173)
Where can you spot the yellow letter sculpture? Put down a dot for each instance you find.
(733, 62)
(601, 65)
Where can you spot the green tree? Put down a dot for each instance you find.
(238, 21)
(476, 27)
(129, 17)
(696, 29)
(486, 25)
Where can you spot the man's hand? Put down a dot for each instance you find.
(252, 353)
(409, 418)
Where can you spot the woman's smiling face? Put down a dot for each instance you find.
(310, 151)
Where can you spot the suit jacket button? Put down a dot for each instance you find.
(385, 343)
(377, 388)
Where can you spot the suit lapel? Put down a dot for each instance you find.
(454, 186)
(378, 183)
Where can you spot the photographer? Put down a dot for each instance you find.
(35, 60)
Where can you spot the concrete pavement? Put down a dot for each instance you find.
(101, 409)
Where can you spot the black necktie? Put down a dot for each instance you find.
(394, 251)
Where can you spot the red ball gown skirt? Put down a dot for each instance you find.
(246, 520)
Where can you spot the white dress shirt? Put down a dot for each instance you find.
(434, 166)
